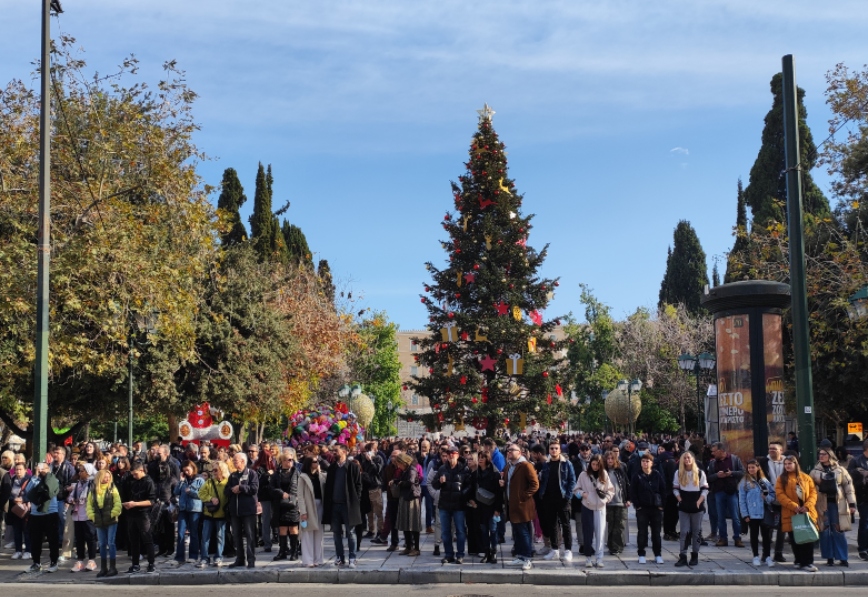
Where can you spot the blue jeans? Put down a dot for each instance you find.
(447, 517)
(341, 528)
(207, 526)
(862, 536)
(188, 521)
(106, 538)
(429, 507)
(522, 535)
(488, 531)
(727, 505)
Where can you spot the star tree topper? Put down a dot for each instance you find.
(485, 113)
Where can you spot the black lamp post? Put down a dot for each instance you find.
(696, 365)
(140, 323)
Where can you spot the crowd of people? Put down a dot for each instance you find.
(198, 504)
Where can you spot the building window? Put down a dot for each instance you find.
(414, 347)
(414, 400)
(414, 370)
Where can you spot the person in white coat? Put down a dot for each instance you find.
(595, 490)
(310, 492)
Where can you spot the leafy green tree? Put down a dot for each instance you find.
(229, 203)
(376, 367)
(686, 271)
(766, 193)
(132, 232)
(489, 351)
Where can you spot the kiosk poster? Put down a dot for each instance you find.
(773, 350)
(733, 384)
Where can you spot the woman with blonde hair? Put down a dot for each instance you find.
(836, 504)
(284, 495)
(690, 488)
(103, 509)
(797, 494)
(213, 496)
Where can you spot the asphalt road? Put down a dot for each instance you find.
(445, 590)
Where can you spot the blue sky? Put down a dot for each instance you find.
(620, 118)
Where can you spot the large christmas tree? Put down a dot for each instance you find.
(491, 357)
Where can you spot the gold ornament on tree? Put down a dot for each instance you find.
(623, 408)
(363, 407)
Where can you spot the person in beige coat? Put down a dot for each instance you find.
(595, 490)
(836, 498)
(310, 491)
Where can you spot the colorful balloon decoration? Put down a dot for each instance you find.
(324, 424)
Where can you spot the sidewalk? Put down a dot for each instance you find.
(718, 566)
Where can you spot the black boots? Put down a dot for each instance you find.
(293, 549)
(492, 557)
(682, 561)
(112, 571)
(694, 559)
(284, 551)
(103, 569)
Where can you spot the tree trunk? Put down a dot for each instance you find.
(172, 421)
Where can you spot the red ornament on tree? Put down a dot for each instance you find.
(476, 266)
(545, 373)
(450, 315)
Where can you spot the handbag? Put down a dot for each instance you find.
(828, 483)
(209, 505)
(771, 517)
(395, 491)
(20, 510)
(483, 496)
(804, 529)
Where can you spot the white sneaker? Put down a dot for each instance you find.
(567, 557)
(551, 555)
(659, 559)
(589, 563)
(16, 555)
(770, 562)
(10, 545)
(642, 560)
(91, 566)
(600, 563)
(352, 563)
(516, 562)
(61, 560)
(527, 565)
(79, 566)
(756, 561)
(26, 556)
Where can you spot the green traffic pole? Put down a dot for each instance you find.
(798, 285)
(43, 248)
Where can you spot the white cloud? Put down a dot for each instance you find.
(680, 151)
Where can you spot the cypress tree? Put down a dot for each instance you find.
(742, 240)
(324, 273)
(264, 226)
(686, 271)
(715, 275)
(296, 245)
(231, 199)
(766, 194)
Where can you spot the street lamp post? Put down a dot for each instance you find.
(696, 365)
(141, 323)
(630, 388)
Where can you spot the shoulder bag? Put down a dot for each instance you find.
(209, 505)
(804, 529)
(483, 496)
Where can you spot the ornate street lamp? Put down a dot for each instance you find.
(696, 365)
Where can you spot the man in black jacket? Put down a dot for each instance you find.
(647, 492)
(372, 468)
(341, 503)
(165, 473)
(858, 469)
(64, 472)
(773, 467)
(668, 466)
(242, 490)
(453, 482)
(142, 495)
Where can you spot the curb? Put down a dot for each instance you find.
(409, 576)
